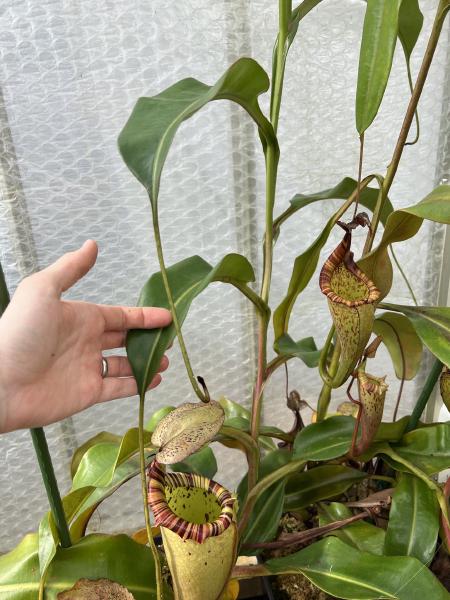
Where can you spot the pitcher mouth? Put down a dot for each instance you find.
(340, 263)
(169, 496)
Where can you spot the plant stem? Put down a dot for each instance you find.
(276, 362)
(443, 8)
(51, 485)
(360, 166)
(416, 114)
(151, 541)
(310, 534)
(249, 572)
(325, 393)
(261, 306)
(271, 163)
(42, 452)
(173, 309)
(323, 369)
(402, 273)
(422, 400)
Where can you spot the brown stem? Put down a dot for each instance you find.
(310, 534)
(261, 367)
(249, 571)
(358, 189)
(444, 7)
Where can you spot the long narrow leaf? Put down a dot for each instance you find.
(375, 59)
(345, 572)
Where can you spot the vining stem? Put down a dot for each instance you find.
(173, 310)
(271, 162)
(151, 541)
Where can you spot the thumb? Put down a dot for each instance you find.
(71, 267)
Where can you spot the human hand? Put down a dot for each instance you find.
(51, 349)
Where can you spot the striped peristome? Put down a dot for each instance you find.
(339, 260)
(160, 486)
(351, 299)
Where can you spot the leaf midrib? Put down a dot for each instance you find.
(345, 578)
(160, 332)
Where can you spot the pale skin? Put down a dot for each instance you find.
(51, 349)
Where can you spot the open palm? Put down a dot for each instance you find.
(51, 349)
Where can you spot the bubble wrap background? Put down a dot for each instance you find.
(70, 74)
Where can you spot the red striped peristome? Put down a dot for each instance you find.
(340, 255)
(165, 517)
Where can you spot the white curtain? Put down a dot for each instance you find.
(71, 72)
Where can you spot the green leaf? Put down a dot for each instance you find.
(264, 521)
(48, 534)
(402, 342)
(148, 134)
(343, 190)
(321, 483)
(375, 59)
(117, 558)
(19, 571)
(410, 21)
(432, 325)
(305, 264)
(428, 448)
(233, 409)
(304, 268)
(99, 463)
(93, 496)
(100, 438)
(361, 535)
(187, 279)
(326, 440)
(402, 225)
(102, 470)
(392, 432)
(202, 462)
(413, 525)
(305, 349)
(345, 572)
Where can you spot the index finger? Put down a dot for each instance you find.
(118, 318)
